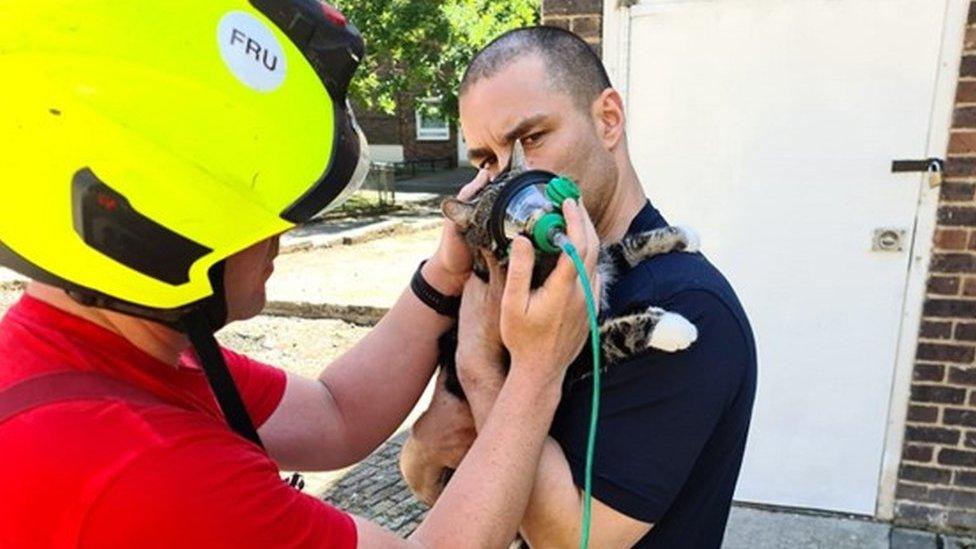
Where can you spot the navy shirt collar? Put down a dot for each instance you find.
(647, 219)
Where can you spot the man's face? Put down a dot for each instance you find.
(557, 134)
(245, 274)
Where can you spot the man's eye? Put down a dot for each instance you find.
(532, 139)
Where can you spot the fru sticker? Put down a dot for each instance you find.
(251, 51)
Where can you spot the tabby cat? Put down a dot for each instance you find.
(620, 337)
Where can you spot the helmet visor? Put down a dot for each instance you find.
(359, 173)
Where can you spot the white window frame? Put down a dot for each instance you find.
(439, 133)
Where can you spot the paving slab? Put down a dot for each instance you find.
(754, 528)
(903, 538)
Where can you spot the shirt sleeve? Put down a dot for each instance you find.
(262, 386)
(209, 489)
(657, 411)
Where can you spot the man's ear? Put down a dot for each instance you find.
(458, 211)
(608, 113)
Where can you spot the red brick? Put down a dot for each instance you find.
(941, 496)
(570, 7)
(967, 67)
(587, 26)
(938, 394)
(953, 191)
(951, 239)
(959, 458)
(938, 435)
(953, 263)
(960, 167)
(561, 22)
(918, 452)
(925, 371)
(931, 329)
(923, 414)
(935, 329)
(969, 21)
(966, 331)
(917, 514)
(944, 352)
(957, 216)
(943, 285)
(949, 308)
(929, 475)
(959, 416)
(964, 478)
(970, 40)
(962, 143)
(964, 117)
(962, 519)
(966, 92)
(962, 376)
(969, 287)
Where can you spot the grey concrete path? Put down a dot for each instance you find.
(375, 489)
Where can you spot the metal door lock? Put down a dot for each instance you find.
(888, 240)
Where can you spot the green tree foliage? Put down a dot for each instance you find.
(419, 48)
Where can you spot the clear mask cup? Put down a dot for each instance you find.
(524, 209)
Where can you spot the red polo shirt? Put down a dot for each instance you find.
(106, 473)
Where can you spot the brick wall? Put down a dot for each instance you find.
(418, 150)
(937, 476)
(401, 129)
(584, 17)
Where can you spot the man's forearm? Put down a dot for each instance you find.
(487, 495)
(553, 511)
(391, 364)
(555, 507)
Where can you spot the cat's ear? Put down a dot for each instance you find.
(458, 211)
(517, 162)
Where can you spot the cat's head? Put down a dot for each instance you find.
(473, 217)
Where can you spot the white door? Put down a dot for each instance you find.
(770, 126)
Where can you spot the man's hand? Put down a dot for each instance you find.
(548, 326)
(438, 440)
(450, 265)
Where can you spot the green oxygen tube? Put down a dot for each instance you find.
(549, 235)
(570, 250)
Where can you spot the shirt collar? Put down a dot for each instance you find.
(647, 219)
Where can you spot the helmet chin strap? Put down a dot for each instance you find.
(199, 325)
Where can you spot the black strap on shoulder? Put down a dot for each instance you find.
(197, 327)
(69, 385)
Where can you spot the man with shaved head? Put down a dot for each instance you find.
(672, 426)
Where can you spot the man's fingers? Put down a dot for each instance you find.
(517, 284)
(565, 270)
(474, 185)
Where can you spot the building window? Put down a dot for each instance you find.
(432, 125)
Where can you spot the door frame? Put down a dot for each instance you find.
(616, 57)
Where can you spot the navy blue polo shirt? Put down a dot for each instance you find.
(672, 426)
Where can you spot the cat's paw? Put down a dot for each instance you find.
(692, 241)
(673, 333)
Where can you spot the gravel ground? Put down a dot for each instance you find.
(297, 345)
